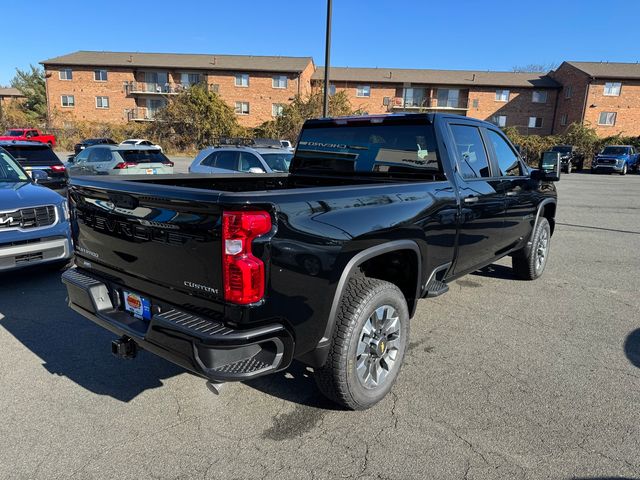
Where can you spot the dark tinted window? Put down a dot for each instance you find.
(249, 160)
(472, 156)
(34, 155)
(615, 150)
(227, 160)
(508, 162)
(13, 133)
(278, 162)
(561, 149)
(98, 155)
(143, 156)
(385, 148)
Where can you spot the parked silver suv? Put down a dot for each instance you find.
(120, 160)
(229, 159)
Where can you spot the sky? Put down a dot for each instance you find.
(444, 34)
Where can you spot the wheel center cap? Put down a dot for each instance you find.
(379, 347)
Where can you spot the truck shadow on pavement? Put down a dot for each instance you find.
(632, 347)
(33, 309)
(496, 271)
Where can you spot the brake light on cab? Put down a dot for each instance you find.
(243, 273)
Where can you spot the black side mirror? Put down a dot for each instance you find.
(549, 167)
(39, 175)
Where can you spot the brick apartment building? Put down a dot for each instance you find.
(117, 87)
(523, 100)
(603, 95)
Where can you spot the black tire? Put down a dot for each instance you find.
(568, 168)
(624, 169)
(339, 379)
(525, 264)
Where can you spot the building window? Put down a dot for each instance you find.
(68, 101)
(475, 103)
(102, 102)
(363, 91)
(539, 96)
(332, 89)
(607, 118)
(242, 108)
(500, 120)
(568, 91)
(279, 81)
(535, 122)
(563, 119)
(242, 80)
(188, 79)
(612, 89)
(66, 74)
(277, 109)
(450, 98)
(100, 75)
(502, 95)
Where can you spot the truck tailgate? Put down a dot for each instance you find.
(152, 236)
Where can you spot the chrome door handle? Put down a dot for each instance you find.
(471, 199)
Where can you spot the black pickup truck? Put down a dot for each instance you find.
(235, 276)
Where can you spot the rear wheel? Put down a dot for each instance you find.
(368, 345)
(529, 265)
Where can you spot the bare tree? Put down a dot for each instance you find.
(535, 67)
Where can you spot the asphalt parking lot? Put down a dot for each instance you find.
(504, 379)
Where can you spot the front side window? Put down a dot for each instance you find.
(472, 156)
(242, 108)
(508, 162)
(539, 96)
(535, 122)
(102, 102)
(100, 75)
(502, 95)
(68, 101)
(66, 74)
(607, 118)
(100, 155)
(242, 80)
(500, 120)
(279, 81)
(363, 91)
(612, 89)
(277, 109)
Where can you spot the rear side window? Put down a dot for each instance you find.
(143, 156)
(508, 161)
(369, 147)
(249, 160)
(33, 155)
(226, 160)
(471, 153)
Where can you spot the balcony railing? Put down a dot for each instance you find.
(428, 103)
(141, 114)
(132, 88)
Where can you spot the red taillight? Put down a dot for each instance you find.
(243, 273)
(123, 165)
(57, 168)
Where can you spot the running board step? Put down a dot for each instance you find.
(435, 288)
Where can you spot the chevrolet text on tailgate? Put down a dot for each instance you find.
(234, 277)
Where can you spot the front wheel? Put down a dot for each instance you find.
(368, 346)
(529, 265)
(568, 168)
(624, 169)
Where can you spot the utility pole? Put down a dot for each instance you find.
(325, 107)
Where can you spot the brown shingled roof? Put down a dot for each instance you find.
(10, 92)
(609, 69)
(438, 77)
(181, 60)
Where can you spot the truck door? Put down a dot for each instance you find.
(516, 187)
(482, 205)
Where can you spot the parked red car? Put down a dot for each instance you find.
(28, 134)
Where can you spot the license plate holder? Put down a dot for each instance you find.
(137, 305)
(151, 171)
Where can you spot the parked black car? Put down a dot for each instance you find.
(234, 276)
(78, 147)
(39, 156)
(570, 158)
